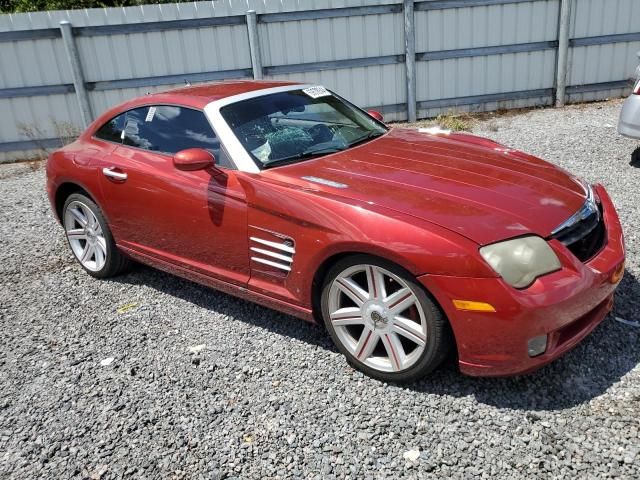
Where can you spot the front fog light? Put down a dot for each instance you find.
(537, 345)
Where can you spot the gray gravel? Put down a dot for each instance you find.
(202, 385)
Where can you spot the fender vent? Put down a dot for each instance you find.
(272, 250)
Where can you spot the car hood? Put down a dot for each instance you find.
(464, 183)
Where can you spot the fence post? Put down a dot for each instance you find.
(254, 44)
(410, 58)
(564, 22)
(76, 71)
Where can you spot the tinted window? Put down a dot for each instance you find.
(168, 129)
(112, 130)
(165, 129)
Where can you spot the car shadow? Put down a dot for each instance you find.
(586, 372)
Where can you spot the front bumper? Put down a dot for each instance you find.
(565, 305)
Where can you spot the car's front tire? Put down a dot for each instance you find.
(90, 239)
(382, 320)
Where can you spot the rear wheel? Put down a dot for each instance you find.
(382, 320)
(90, 238)
(635, 158)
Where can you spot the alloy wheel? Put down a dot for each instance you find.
(378, 318)
(85, 236)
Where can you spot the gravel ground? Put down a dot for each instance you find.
(202, 385)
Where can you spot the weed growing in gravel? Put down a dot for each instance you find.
(65, 132)
(455, 123)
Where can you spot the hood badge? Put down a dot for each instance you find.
(324, 181)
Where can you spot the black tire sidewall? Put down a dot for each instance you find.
(438, 338)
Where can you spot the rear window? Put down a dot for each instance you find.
(112, 130)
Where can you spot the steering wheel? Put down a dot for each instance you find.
(321, 133)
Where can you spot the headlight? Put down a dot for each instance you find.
(521, 260)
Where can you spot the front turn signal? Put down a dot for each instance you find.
(618, 273)
(472, 306)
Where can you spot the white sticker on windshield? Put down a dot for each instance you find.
(150, 114)
(317, 92)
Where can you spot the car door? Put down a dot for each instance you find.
(195, 219)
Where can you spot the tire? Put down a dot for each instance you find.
(90, 239)
(635, 158)
(390, 329)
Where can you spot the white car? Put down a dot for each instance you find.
(629, 122)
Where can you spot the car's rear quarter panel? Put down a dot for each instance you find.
(73, 165)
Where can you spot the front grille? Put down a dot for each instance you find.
(586, 237)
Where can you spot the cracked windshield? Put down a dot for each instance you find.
(292, 126)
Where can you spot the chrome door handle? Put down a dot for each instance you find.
(110, 172)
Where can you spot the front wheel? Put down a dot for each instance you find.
(90, 238)
(382, 320)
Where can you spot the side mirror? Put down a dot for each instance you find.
(194, 159)
(375, 114)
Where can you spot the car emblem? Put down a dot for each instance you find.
(377, 318)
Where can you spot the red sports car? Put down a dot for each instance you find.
(404, 243)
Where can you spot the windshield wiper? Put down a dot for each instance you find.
(309, 153)
(364, 138)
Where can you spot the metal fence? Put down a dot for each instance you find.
(406, 58)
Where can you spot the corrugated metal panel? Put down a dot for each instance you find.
(32, 63)
(608, 62)
(374, 86)
(464, 77)
(602, 63)
(306, 41)
(598, 95)
(604, 17)
(163, 53)
(331, 39)
(485, 26)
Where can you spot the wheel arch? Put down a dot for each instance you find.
(318, 281)
(63, 192)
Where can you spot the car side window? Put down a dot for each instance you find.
(169, 129)
(112, 130)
